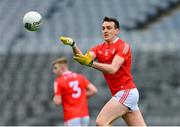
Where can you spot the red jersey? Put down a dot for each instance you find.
(72, 89)
(105, 53)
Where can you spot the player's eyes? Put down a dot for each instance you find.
(107, 27)
(103, 28)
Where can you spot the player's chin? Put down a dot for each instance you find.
(106, 38)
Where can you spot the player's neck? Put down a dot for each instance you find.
(113, 40)
(66, 71)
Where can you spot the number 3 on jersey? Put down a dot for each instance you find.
(76, 89)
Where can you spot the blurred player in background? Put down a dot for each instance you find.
(114, 60)
(72, 91)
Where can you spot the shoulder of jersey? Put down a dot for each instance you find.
(126, 48)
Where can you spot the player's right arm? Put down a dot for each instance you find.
(69, 41)
(57, 100)
(57, 94)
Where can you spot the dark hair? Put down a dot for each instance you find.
(110, 19)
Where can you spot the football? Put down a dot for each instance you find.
(32, 21)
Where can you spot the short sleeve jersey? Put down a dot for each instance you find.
(105, 53)
(72, 89)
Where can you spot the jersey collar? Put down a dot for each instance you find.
(66, 72)
(115, 40)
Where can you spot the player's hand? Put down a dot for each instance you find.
(67, 41)
(84, 59)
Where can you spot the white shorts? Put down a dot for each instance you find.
(78, 121)
(129, 98)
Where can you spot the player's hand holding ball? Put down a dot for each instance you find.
(32, 21)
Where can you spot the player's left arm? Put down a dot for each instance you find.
(112, 68)
(91, 90)
(87, 60)
(109, 68)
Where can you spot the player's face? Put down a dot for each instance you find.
(57, 69)
(109, 31)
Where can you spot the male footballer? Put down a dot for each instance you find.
(113, 58)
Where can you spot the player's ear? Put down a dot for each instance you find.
(117, 30)
(63, 67)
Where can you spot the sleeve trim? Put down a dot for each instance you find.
(126, 49)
